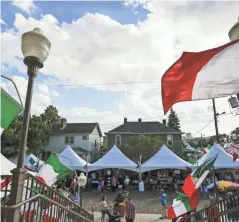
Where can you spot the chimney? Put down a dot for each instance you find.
(125, 120)
(63, 123)
(139, 120)
(164, 122)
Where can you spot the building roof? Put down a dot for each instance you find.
(144, 127)
(81, 128)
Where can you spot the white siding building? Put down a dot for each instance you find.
(84, 138)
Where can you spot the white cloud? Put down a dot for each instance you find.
(2, 22)
(42, 95)
(97, 49)
(26, 5)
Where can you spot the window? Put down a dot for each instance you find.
(118, 140)
(95, 143)
(72, 139)
(84, 137)
(170, 140)
(69, 139)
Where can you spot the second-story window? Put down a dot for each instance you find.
(72, 139)
(84, 137)
(118, 140)
(170, 140)
(69, 139)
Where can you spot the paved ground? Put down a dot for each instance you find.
(139, 218)
(146, 202)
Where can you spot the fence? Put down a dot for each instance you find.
(226, 210)
(42, 203)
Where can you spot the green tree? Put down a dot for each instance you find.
(37, 135)
(11, 137)
(39, 132)
(173, 120)
(235, 134)
(134, 146)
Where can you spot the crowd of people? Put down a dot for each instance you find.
(122, 182)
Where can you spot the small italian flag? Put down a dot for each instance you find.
(206, 150)
(195, 179)
(9, 109)
(52, 170)
(183, 204)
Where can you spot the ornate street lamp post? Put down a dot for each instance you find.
(81, 183)
(35, 49)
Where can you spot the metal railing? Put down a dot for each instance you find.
(42, 203)
(225, 210)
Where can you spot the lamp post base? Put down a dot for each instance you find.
(18, 175)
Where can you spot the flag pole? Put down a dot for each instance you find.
(215, 184)
(215, 120)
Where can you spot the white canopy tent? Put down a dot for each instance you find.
(165, 159)
(224, 160)
(70, 159)
(114, 159)
(6, 166)
(188, 147)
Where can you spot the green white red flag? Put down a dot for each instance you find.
(52, 170)
(195, 179)
(183, 204)
(9, 109)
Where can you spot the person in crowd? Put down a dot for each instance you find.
(102, 185)
(114, 184)
(74, 183)
(130, 211)
(103, 207)
(126, 183)
(75, 197)
(163, 202)
(233, 178)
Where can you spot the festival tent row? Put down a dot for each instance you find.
(223, 161)
(70, 159)
(114, 158)
(165, 159)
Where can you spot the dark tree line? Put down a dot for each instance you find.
(39, 132)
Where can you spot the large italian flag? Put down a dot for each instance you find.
(202, 75)
(195, 179)
(52, 170)
(183, 204)
(9, 109)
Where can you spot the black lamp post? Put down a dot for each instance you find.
(35, 49)
(82, 180)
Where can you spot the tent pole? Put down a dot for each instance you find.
(214, 181)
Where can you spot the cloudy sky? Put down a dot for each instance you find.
(107, 58)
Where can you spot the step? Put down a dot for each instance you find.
(139, 218)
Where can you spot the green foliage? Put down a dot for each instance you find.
(173, 120)
(235, 134)
(39, 132)
(134, 146)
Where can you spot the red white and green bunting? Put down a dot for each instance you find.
(206, 150)
(52, 170)
(183, 204)
(195, 179)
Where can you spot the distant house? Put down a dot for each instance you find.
(84, 138)
(168, 135)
